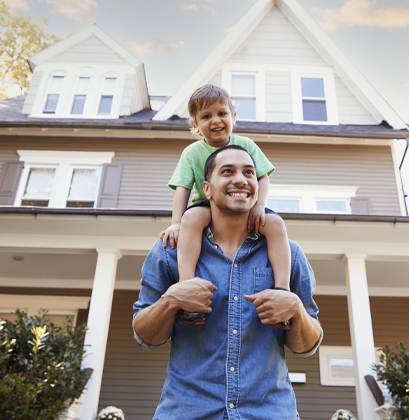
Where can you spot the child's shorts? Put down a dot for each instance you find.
(206, 203)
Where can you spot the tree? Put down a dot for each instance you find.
(20, 39)
(40, 368)
(394, 369)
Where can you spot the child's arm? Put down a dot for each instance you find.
(180, 201)
(257, 216)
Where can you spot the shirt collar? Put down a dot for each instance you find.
(209, 235)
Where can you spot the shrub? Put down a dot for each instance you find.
(394, 369)
(40, 368)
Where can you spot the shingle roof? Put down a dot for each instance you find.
(10, 116)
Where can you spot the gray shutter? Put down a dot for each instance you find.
(9, 182)
(360, 205)
(109, 188)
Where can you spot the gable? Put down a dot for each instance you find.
(91, 49)
(282, 48)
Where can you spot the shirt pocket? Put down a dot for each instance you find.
(263, 279)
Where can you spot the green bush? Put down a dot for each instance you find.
(40, 368)
(394, 369)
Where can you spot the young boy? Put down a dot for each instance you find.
(212, 116)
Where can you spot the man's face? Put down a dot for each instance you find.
(233, 185)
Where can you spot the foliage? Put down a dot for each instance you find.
(111, 413)
(20, 39)
(394, 369)
(40, 372)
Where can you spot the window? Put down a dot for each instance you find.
(337, 365)
(58, 307)
(53, 96)
(243, 93)
(107, 96)
(311, 199)
(314, 97)
(80, 96)
(60, 179)
(314, 106)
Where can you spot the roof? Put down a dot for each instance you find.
(11, 116)
(350, 75)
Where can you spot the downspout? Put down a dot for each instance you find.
(400, 173)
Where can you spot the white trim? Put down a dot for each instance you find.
(52, 157)
(330, 98)
(297, 378)
(373, 291)
(398, 178)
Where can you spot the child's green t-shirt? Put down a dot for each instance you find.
(190, 170)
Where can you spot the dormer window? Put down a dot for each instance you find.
(107, 96)
(53, 95)
(314, 98)
(80, 96)
(314, 105)
(243, 93)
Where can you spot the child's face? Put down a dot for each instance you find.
(215, 123)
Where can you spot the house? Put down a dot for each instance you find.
(84, 162)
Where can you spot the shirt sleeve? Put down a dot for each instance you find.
(157, 277)
(263, 165)
(303, 284)
(184, 175)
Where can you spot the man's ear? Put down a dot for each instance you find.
(206, 190)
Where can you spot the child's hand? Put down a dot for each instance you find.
(257, 218)
(171, 233)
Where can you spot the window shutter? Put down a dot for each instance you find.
(9, 182)
(360, 205)
(109, 188)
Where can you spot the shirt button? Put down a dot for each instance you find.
(235, 265)
(231, 405)
(236, 298)
(215, 246)
(232, 369)
(234, 331)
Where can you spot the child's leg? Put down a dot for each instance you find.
(192, 224)
(279, 252)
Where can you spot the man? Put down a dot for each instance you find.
(233, 367)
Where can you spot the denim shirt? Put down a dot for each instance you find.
(233, 367)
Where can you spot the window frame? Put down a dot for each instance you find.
(326, 353)
(330, 98)
(260, 91)
(65, 163)
(308, 195)
(101, 93)
(48, 91)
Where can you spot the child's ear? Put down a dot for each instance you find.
(195, 129)
(206, 190)
(234, 117)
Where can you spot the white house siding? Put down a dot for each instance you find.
(350, 110)
(278, 96)
(89, 50)
(276, 40)
(129, 98)
(32, 93)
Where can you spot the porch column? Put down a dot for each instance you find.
(360, 324)
(98, 325)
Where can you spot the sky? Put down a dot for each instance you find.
(173, 37)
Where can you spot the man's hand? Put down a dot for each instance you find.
(275, 306)
(257, 218)
(171, 233)
(194, 295)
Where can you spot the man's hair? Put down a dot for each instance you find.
(211, 160)
(207, 95)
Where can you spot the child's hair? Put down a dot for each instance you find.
(207, 95)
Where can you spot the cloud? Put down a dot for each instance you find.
(155, 45)
(205, 9)
(75, 9)
(190, 7)
(362, 13)
(17, 5)
(405, 86)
